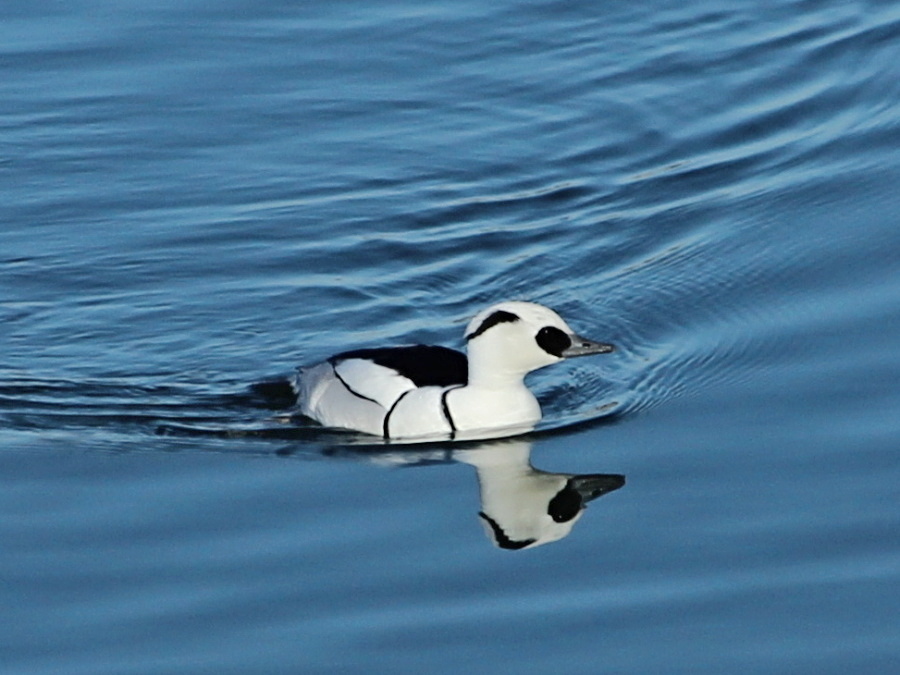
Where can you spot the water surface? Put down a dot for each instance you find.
(197, 198)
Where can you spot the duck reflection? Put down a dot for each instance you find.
(521, 506)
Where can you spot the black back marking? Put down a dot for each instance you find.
(500, 316)
(565, 505)
(500, 537)
(425, 365)
(553, 340)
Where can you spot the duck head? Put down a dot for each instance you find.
(510, 339)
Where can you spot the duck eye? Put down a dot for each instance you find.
(553, 340)
(565, 505)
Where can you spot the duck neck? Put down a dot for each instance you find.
(493, 373)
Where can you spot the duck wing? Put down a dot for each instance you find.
(384, 374)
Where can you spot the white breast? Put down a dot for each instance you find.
(478, 408)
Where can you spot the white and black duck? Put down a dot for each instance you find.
(430, 391)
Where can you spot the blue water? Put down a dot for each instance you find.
(198, 196)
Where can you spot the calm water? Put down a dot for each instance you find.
(197, 196)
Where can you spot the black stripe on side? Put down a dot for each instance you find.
(446, 410)
(350, 389)
(387, 418)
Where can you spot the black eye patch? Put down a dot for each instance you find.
(552, 340)
(565, 505)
